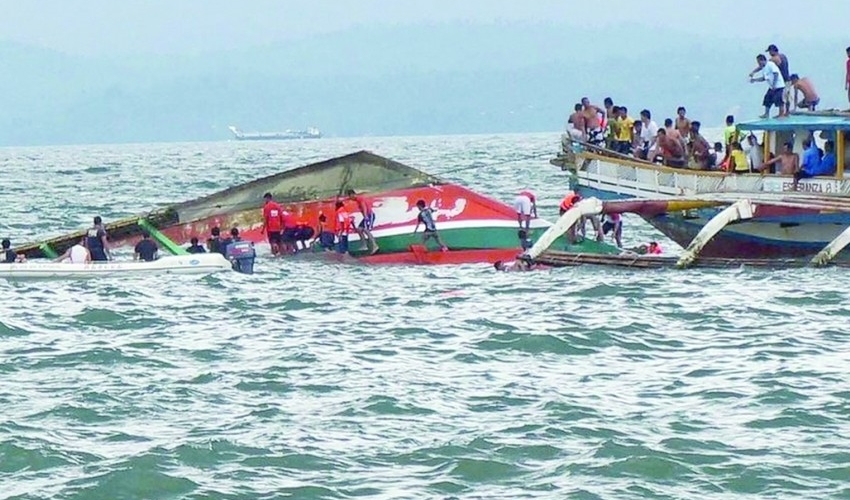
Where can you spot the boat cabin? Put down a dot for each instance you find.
(821, 125)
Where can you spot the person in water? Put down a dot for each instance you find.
(77, 254)
(234, 237)
(194, 247)
(96, 241)
(524, 241)
(9, 256)
(517, 265)
(215, 244)
(326, 236)
(146, 249)
(364, 229)
(426, 218)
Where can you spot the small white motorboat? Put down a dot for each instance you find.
(204, 263)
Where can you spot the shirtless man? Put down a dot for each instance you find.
(788, 160)
(670, 149)
(673, 133)
(804, 86)
(700, 147)
(593, 119)
(577, 124)
(683, 124)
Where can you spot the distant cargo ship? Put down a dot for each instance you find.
(310, 133)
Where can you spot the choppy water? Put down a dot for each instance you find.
(323, 381)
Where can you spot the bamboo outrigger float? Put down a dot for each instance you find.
(736, 210)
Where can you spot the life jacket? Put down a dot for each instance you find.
(568, 201)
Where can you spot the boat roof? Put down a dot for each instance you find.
(828, 120)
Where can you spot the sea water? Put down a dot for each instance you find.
(310, 380)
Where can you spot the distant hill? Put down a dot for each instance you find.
(402, 80)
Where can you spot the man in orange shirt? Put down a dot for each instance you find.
(272, 223)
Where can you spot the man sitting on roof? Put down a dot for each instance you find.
(804, 86)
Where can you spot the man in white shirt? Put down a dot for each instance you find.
(648, 132)
(77, 254)
(754, 152)
(775, 85)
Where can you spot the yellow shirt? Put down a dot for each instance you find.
(624, 132)
(740, 160)
(730, 135)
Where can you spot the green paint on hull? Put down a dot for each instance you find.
(477, 238)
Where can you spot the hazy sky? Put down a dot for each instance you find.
(185, 26)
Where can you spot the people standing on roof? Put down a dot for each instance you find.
(847, 77)
(364, 229)
(525, 205)
(146, 249)
(804, 86)
(9, 256)
(194, 247)
(77, 254)
(775, 85)
(96, 241)
(426, 218)
(782, 63)
(272, 223)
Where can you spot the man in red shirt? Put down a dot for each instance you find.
(272, 223)
(847, 76)
(364, 229)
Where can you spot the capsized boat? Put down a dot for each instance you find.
(201, 264)
(800, 227)
(476, 228)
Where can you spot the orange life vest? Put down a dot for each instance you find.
(568, 201)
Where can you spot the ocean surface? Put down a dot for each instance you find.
(319, 381)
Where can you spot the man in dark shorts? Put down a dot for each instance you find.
(96, 241)
(775, 85)
(364, 229)
(146, 249)
(426, 218)
(273, 223)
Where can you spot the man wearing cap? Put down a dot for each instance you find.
(782, 63)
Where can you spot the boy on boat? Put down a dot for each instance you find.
(194, 246)
(364, 229)
(426, 218)
(272, 223)
(9, 256)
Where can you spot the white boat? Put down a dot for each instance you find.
(205, 263)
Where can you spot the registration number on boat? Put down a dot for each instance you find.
(805, 186)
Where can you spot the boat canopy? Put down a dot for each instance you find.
(799, 121)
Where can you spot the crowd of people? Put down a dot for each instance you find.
(680, 142)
